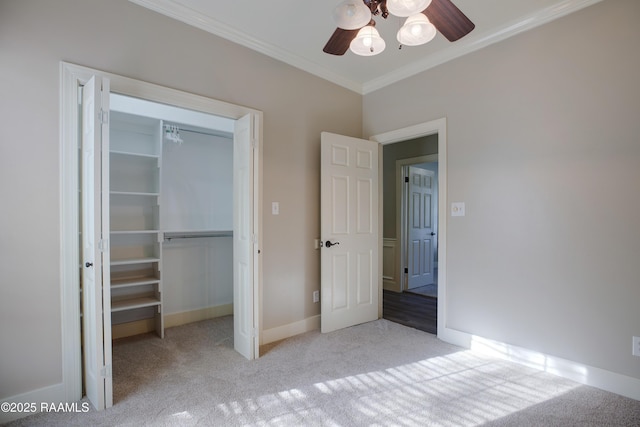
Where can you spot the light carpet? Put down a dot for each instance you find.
(376, 374)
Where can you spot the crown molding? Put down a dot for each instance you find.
(192, 17)
(479, 41)
(470, 44)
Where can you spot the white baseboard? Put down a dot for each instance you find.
(285, 331)
(50, 394)
(578, 372)
(184, 317)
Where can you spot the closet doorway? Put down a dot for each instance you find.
(144, 234)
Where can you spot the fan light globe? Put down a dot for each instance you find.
(417, 30)
(351, 14)
(368, 42)
(405, 8)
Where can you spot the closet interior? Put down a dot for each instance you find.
(170, 215)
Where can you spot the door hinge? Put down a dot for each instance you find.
(253, 143)
(105, 371)
(103, 245)
(406, 270)
(254, 238)
(406, 179)
(103, 116)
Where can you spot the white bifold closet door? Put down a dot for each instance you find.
(96, 319)
(245, 338)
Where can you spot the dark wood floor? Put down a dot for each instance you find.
(415, 311)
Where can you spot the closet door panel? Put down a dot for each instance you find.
(245, 337)
(95, 232)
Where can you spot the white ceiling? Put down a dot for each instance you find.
(295, 31)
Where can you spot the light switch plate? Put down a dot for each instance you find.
(275, 208)
(457, 209)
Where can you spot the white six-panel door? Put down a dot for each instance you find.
(95, 239)
(349, 230)
(420, 254)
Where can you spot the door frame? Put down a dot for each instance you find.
(72, 77)
(433, 127)
(402, 206)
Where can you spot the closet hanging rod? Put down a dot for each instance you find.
(198, 235)
(167, 126)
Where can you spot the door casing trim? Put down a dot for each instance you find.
(433, 127)
(72, 77)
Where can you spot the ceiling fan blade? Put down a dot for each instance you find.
(448, 19)
(340, 40)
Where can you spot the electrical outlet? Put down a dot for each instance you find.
(316, 296)
(636, 346)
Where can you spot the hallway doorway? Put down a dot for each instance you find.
(419, 144)
(413, 301)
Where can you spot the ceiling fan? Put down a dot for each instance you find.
(356, 28)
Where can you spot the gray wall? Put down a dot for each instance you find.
(120, 37)
(543, 146)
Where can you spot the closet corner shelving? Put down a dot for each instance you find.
(135, 160)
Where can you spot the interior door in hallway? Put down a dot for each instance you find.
(350, 265)
(420, 254)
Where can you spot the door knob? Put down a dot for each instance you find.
(88, 264)
(329, 244)
(433, 234)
